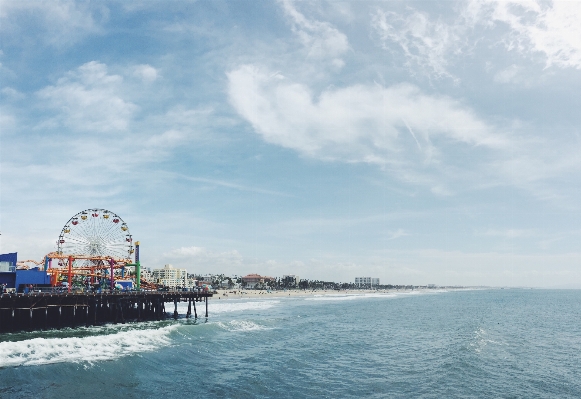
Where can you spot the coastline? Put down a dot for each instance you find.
(263, 294)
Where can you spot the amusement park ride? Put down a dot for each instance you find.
(94, 248)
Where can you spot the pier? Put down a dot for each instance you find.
(44, 311)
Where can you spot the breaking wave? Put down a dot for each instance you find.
(90, 349)
(349, 297)
(227, 306)
(242, 325)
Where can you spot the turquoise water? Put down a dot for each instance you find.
(458, 344)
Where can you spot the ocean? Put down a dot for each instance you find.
(511, 343)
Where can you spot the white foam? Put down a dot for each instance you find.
(349, 297)
(232, 306)
(38, 351)
(226, 306)
(480, 340)
(242, 325)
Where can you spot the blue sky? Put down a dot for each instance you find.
(418, 142)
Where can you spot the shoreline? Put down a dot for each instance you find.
(293, 293)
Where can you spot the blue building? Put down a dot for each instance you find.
(20, 279)
(8, 262)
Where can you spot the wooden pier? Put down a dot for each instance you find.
(42, 311)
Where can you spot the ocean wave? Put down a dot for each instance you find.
(480, 340)
(89, 349)
(348, 297)
(234, 306)
(242, 325)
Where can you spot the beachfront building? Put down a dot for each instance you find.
(371, 281)
(147, 275)
(290, 280)
(253, 279)
(171, 277)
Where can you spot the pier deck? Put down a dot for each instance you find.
(40, 311)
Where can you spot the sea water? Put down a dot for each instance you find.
(512, 343)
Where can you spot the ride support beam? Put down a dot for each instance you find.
(70, 274)
(137, 267)
(112, 263)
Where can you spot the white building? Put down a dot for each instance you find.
(371, 281)
(171, 277)
(147, 275)
(291, 279)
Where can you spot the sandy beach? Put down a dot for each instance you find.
(246, 294)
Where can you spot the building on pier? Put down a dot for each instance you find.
(20, 279)
(8, 262)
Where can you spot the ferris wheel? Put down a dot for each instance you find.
(95, 232)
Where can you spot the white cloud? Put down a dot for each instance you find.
(397, 234)
(186, 252)
(169, 138)
(359, 123)
(552, 29)
(425, 43)
(543, 166)
(12, 93)
(507, 75)
(422, 139)
(227, 184)
(499, 269)
(7, 122)
(201, 260)
(320, 38)
(61, 22)
(89, 98)
(510, 233)
(145, 72)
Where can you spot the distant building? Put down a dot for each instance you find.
(147, 275)
(371, 281)
(291, 279)
(254, 278)
(171, 277)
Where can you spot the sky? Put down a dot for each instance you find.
(434, 142)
